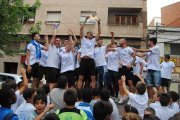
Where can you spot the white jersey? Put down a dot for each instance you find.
(32, 49)
(166, 69)
(137, 68)
(67, 61)
(87, 47)
(154, 59)
(99, 56)
(44, 57)
(125, 55)
(113, 61)
(53, 57)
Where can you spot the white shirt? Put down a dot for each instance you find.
(164, 113)
(19, 100)
(77, 61)
(23, 110)
(125, 55)
(155, 105)
(115, 114)
(140, 102)
(67, 61)
(154, 59)
(99, 56)
(32, 50)
(44, 57)
(137, 68)
(166, 69)
(53, 56)
(113, 61)
(175, 107)
(87, 47)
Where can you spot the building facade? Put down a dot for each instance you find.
(126, 18)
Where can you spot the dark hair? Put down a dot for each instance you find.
(101, 110)
(167, 56)
(173, 95)
(175, 117)
(141, 88)
(87, 95)
(154, 40)
(10, 84)
(129, 108)
(95, 92)
(80, 94)
(62, 82)
(105, 95)
(70, 97)
(115, 43)
(28, 93)
(150, 117)
(46, 89)
(6, 97)
(151, 110)
(34, 34)
(40, 97)
(51, 116)
(164, 99)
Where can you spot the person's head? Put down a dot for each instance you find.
(95, 93)
(57, 42)
(80, 94)
(166, 58)
(35, 36)
(87, 95)
(46, 89)
(122, 42)
(10, 84)
(68, 46)
(40, 102)
(51, 116)
(174, 97)
(29, 95)
(149, 111)
(70, 97)
(104, 95)
(164, 99)
(152, 41)
(156, 96)
(140, 88)
(100, 42)
(62, 82)
(129, 108)
(150, 117)
(102, 110)
(131, 116)
(89, 34)
(7, 97)
(66, 41)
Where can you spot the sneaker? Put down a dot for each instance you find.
(122, 99)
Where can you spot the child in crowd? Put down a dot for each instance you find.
(129, 108)
(139, 100)
(174, 101)
(96, 96)
(156, 103)
(51, 116)
(80, 97)
(40, 102)
(70, 112)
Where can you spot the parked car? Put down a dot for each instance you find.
(9, 76)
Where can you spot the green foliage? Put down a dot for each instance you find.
(11, 14)
(35, 28)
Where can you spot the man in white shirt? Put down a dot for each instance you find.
(139, 100)
(174, 97)
(166, 71)
(163, 112)
(33, 55)
(53, 60)
(87, 55)
(153, 77)
(127, 60)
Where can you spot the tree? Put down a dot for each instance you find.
(12, 12)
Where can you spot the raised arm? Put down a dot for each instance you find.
(82, 28)
(99, 29)
(112, 37)
(123, 78)
(74, 36)
(54, 35)
(25, 81)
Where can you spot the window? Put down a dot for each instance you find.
(126, 20)
(175, 48)
(53, 17)
(84, 14)
(122, 22)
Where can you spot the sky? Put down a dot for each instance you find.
(154, 7)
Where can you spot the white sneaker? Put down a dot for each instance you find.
(122, 99)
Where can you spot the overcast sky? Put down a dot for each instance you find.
(154, 7)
